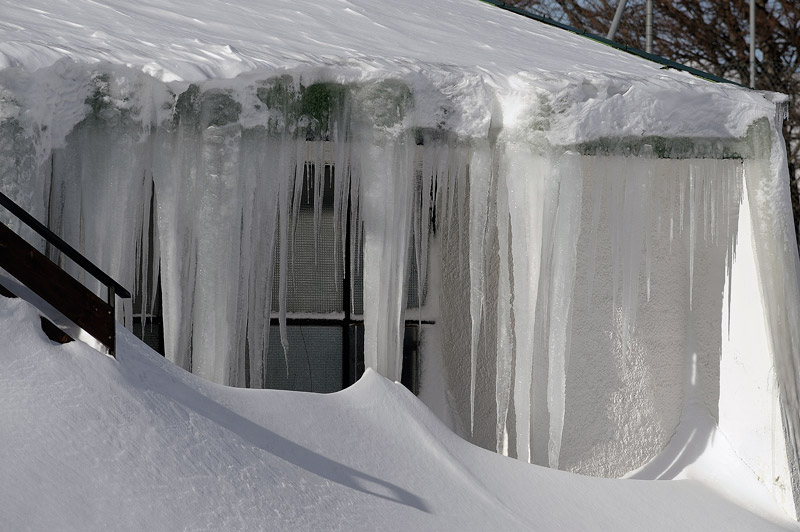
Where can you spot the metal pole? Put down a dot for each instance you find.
(752, 44)
(649, 28)
(617, 18)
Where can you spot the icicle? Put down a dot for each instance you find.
(541, 326)
(390, 166)
(505, 340)
(443, 185)
(341, 183)
(417, 223)
(156, 258)
(570, 177)
(453, 171)
(526, 174)
(288, 178)
(142, 281)
(301, 171)
(263, 219)
(427, 185)
(480, 177)
(218, 211)
(174, 173)
(462, 176)
(318, 167)
(356, 228)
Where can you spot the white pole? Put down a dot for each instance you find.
(752, 44)
(617, 17)
(649, 28)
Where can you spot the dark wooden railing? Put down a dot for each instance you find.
(55, 286)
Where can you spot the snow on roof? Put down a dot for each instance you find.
(471, 51)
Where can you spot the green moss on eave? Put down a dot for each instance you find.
(99, 100)
(285, 105)
(385, 103)
(319, 101)
(197, 109)
(188, 101)
(666, 148)
(304, 110)
(278, 93)
(220, 109)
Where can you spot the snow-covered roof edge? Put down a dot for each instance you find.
(485, 66)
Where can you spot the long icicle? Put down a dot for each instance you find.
(480, 176)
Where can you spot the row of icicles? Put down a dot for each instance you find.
(226, 201)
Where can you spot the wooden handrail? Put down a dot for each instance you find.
(55, 286)
(58, 288)
(65, 248)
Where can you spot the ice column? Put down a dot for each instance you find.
(218, 240)
(259, 219)
(175, 174)
(99, 203)
(567, 228)
(526, 174)
(504, 376)
(385, 205)
(480, 179)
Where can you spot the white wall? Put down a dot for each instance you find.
(622, 405)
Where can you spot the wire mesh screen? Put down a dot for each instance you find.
(314, 279)
(320, 358)
(151, 333)
(315, 359)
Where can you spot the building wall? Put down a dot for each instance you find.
(622, 405)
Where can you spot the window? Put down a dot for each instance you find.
(324, 300)
(324, 304)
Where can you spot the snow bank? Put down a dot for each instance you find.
(90, 443)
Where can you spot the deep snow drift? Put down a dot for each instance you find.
(90, 443)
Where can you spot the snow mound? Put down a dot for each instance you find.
(92, 443)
